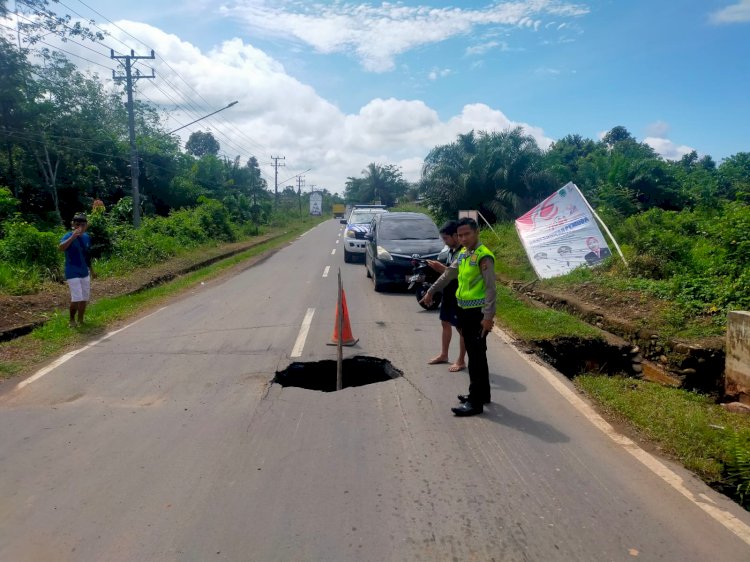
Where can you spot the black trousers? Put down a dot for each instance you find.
(470, 326)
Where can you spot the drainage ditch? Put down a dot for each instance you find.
(321, 375)
(573, 356)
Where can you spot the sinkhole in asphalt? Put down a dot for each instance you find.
(321, 375)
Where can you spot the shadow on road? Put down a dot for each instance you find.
(506, 384)
(544, 431)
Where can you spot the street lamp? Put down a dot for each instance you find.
(204, 117)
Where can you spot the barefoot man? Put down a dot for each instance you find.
(448, 304)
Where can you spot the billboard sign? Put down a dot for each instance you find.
(316, 203)
(560, 234)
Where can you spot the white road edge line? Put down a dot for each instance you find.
(333, 251)
(720, 515)
(68, 356)
(301, 235)
(299, 345)
(326, 270)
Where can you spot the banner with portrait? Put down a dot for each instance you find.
(316, 203)
(560, 234)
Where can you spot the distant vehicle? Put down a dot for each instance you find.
(357, 227)
(394, 240)
(338, 210)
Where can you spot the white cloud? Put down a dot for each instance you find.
(279, 115)
(485, 47)
(658, 129)
(657, 139)
(736, 13)
(547, 71)
(377, 34)
(436, 73)
(668, 149)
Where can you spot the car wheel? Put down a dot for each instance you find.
(348, 258)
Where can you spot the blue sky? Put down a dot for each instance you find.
(352, 82)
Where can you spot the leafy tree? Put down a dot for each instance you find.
(734, 176)
(378, 183)
(202, 143)
(499, 173)
(617, 135)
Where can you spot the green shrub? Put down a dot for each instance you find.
(144, 246)
(23, 244)
(214, 219)
(737, 467)
(19, 279)
(101, 231)
(8, 203)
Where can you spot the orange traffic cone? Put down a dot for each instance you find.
(347, 338)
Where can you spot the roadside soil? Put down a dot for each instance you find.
(21, 312)
(628, 314)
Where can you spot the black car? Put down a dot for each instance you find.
(394, 240)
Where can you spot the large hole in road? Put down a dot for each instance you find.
(321, 375)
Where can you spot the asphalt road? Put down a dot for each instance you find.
(166, 441)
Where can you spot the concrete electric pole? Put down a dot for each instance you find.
(276, 166)
(129, 78)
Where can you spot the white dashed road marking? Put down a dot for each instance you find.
(299, 345)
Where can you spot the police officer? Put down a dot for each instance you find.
(474, 268)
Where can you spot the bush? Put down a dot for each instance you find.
(8, 203)
(101, 230)
(704, 254)
(19, 279)
(214, 219)
(24, 245)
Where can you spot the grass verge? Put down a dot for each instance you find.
(686, 426)
(705, 438)
(24, 354)
(531, 323)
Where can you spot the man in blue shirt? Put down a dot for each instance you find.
(77, 245)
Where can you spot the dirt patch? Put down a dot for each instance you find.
(21, 314)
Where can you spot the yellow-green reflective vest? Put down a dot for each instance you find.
(470, 292)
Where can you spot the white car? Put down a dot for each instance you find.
(357, 227)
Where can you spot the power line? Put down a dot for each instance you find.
(60, 34)
(55, 47)
(238, 131)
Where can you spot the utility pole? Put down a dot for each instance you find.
(129, 78)
(276, 166)
(300, 181)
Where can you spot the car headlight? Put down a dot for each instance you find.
(383, 254)
(350, 234)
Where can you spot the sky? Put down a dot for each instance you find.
(334, 85)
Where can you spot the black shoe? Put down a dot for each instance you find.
(467, 409)
(464, 398)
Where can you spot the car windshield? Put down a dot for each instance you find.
(360, 218)
(409, 229)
